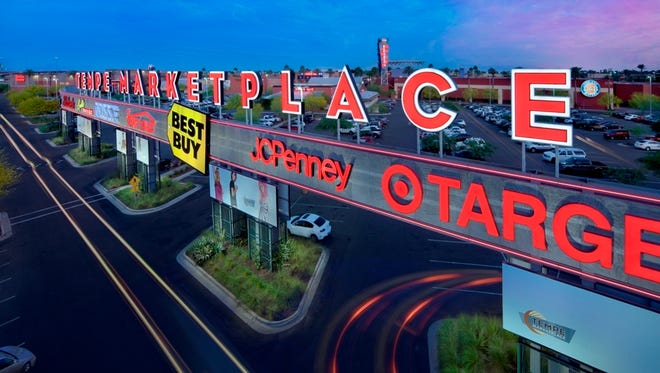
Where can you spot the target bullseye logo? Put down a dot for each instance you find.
(402, 189)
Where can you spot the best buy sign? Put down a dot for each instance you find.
(187, 132)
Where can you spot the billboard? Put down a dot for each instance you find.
(142, 150)
(607, 334)
(187, 132)
(121, 141)
(602, 233)
(84, 126)
(254, 197)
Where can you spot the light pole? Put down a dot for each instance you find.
(650, 95)
(300, 117)
(47, 86)
(55, 80)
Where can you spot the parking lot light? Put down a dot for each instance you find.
(650, 94)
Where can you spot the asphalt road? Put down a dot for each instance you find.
(57, 301)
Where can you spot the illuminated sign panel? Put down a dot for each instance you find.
(591, 232)
(610, 335)
(599, 233)
(254, 197)
(590, 88)
(187, 133)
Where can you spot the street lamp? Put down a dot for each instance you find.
(300, 118)
(650, 94)
(47, 85)
(55, 80)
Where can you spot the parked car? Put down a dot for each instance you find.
(16, 359)
(459, 122)
(630, 116)
(266, 122)
(470, 143)
(454, 131)
(309, 225)
(564, 153)
(619, 134)
(534, 147)
(594, 126)
(647, 144)
(612, 126)
(582, 166)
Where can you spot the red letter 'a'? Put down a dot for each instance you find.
(346, 99)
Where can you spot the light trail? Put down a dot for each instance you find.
(104, 264)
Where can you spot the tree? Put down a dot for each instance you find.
(234, 102)
(469, 94)
(330, 71)
(7, 174)
(641, 101)
(609, 101)
(358, 71)
(315, 103)
(257, 109)
(641, 67)
(408, 70)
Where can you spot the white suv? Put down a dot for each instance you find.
(564, 153)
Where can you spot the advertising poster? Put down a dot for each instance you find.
(142, 149)
(84, 126)
(121, 141)
(254, 197)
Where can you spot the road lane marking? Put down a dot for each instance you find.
(10, 321)
(138, 309)
(121, 239)
(7, 299)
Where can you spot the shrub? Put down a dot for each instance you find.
(652, 162)
(205, 248)
(32, 106)
(476, 343)
(625, 175)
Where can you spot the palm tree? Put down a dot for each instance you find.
(641, 67)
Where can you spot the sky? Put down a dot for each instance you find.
(262, 35)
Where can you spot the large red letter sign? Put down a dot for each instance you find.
(410, 95)
(526, 105)
(289, 106)
(346, 99)
(250, 88)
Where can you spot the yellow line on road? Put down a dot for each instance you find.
(133, 302)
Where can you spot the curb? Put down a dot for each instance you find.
(250, 318)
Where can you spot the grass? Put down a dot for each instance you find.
(114, 182)
(271, 295)
(169, 189)
(83, 158)
(475, 343)
(49, 127)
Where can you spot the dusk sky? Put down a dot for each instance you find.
(267, 35)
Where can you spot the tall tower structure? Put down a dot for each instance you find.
(383, 59)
